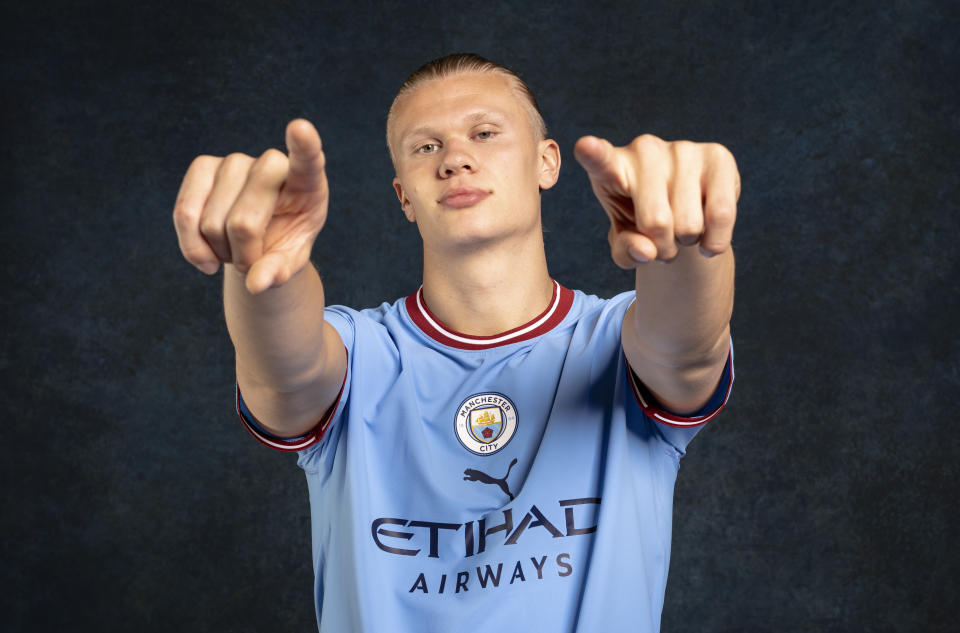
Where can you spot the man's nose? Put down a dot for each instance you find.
(457, 158)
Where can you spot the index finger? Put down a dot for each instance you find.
(306, 158)
(598, 157)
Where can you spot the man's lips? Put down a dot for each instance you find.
(462, 197)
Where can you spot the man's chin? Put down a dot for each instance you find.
(466, 240)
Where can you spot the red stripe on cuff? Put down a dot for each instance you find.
(301, 442)
(651, 410)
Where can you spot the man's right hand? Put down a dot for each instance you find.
(261, 215)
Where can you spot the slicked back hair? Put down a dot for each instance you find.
(463, 63)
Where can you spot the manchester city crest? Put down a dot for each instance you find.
(485, 422)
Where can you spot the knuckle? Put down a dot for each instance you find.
(647, 142)
(719, 152)
(236, 159)
(184, 216)
(688, 234)
(241, 227)
(683, 148)
(659, 219)
(721, 211)
(273, 157)
(205, 159)
(211, 229)
(272, 164)
(660, 234)
(647, 147)
(691, 221)
(204, 162)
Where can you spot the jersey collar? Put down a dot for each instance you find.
(558, 308)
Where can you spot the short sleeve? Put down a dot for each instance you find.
(342, 322)
(288, 444)
(677, 429)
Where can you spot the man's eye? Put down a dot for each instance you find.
(486, 134)
(427, 148)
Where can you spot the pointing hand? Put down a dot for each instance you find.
(660, 195)
(261, 215)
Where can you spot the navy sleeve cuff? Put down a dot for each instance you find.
(654, 410)
(288, 444)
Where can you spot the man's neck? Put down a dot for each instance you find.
(488, 291)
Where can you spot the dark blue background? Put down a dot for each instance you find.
(822, 500)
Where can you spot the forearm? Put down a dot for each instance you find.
(278, 334)
(683, 309)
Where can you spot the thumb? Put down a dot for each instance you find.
(306, 157)
(266, 272)
(595, 155)
(277, 267)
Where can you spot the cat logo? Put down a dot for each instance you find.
(485, 422)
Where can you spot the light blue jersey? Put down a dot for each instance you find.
(518, 482)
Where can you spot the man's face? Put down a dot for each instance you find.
(469, 168)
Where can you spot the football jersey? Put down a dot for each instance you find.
(516, 482)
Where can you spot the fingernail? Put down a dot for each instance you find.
(209, 268)
(637, 256)
(705, 252)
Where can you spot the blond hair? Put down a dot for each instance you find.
(463, 63)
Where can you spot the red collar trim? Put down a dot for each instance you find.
(558, 308)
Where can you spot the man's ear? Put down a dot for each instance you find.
(404, 201)
(549, 163)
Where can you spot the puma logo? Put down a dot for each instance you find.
(471, 474)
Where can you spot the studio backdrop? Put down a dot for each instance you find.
(822, 499)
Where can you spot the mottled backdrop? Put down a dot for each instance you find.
(824, 499)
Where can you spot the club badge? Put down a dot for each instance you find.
(485, 422)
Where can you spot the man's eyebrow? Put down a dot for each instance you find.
(477, 117)
(472, 118)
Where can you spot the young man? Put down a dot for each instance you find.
(495, 451)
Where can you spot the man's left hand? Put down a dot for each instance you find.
(660, 195)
